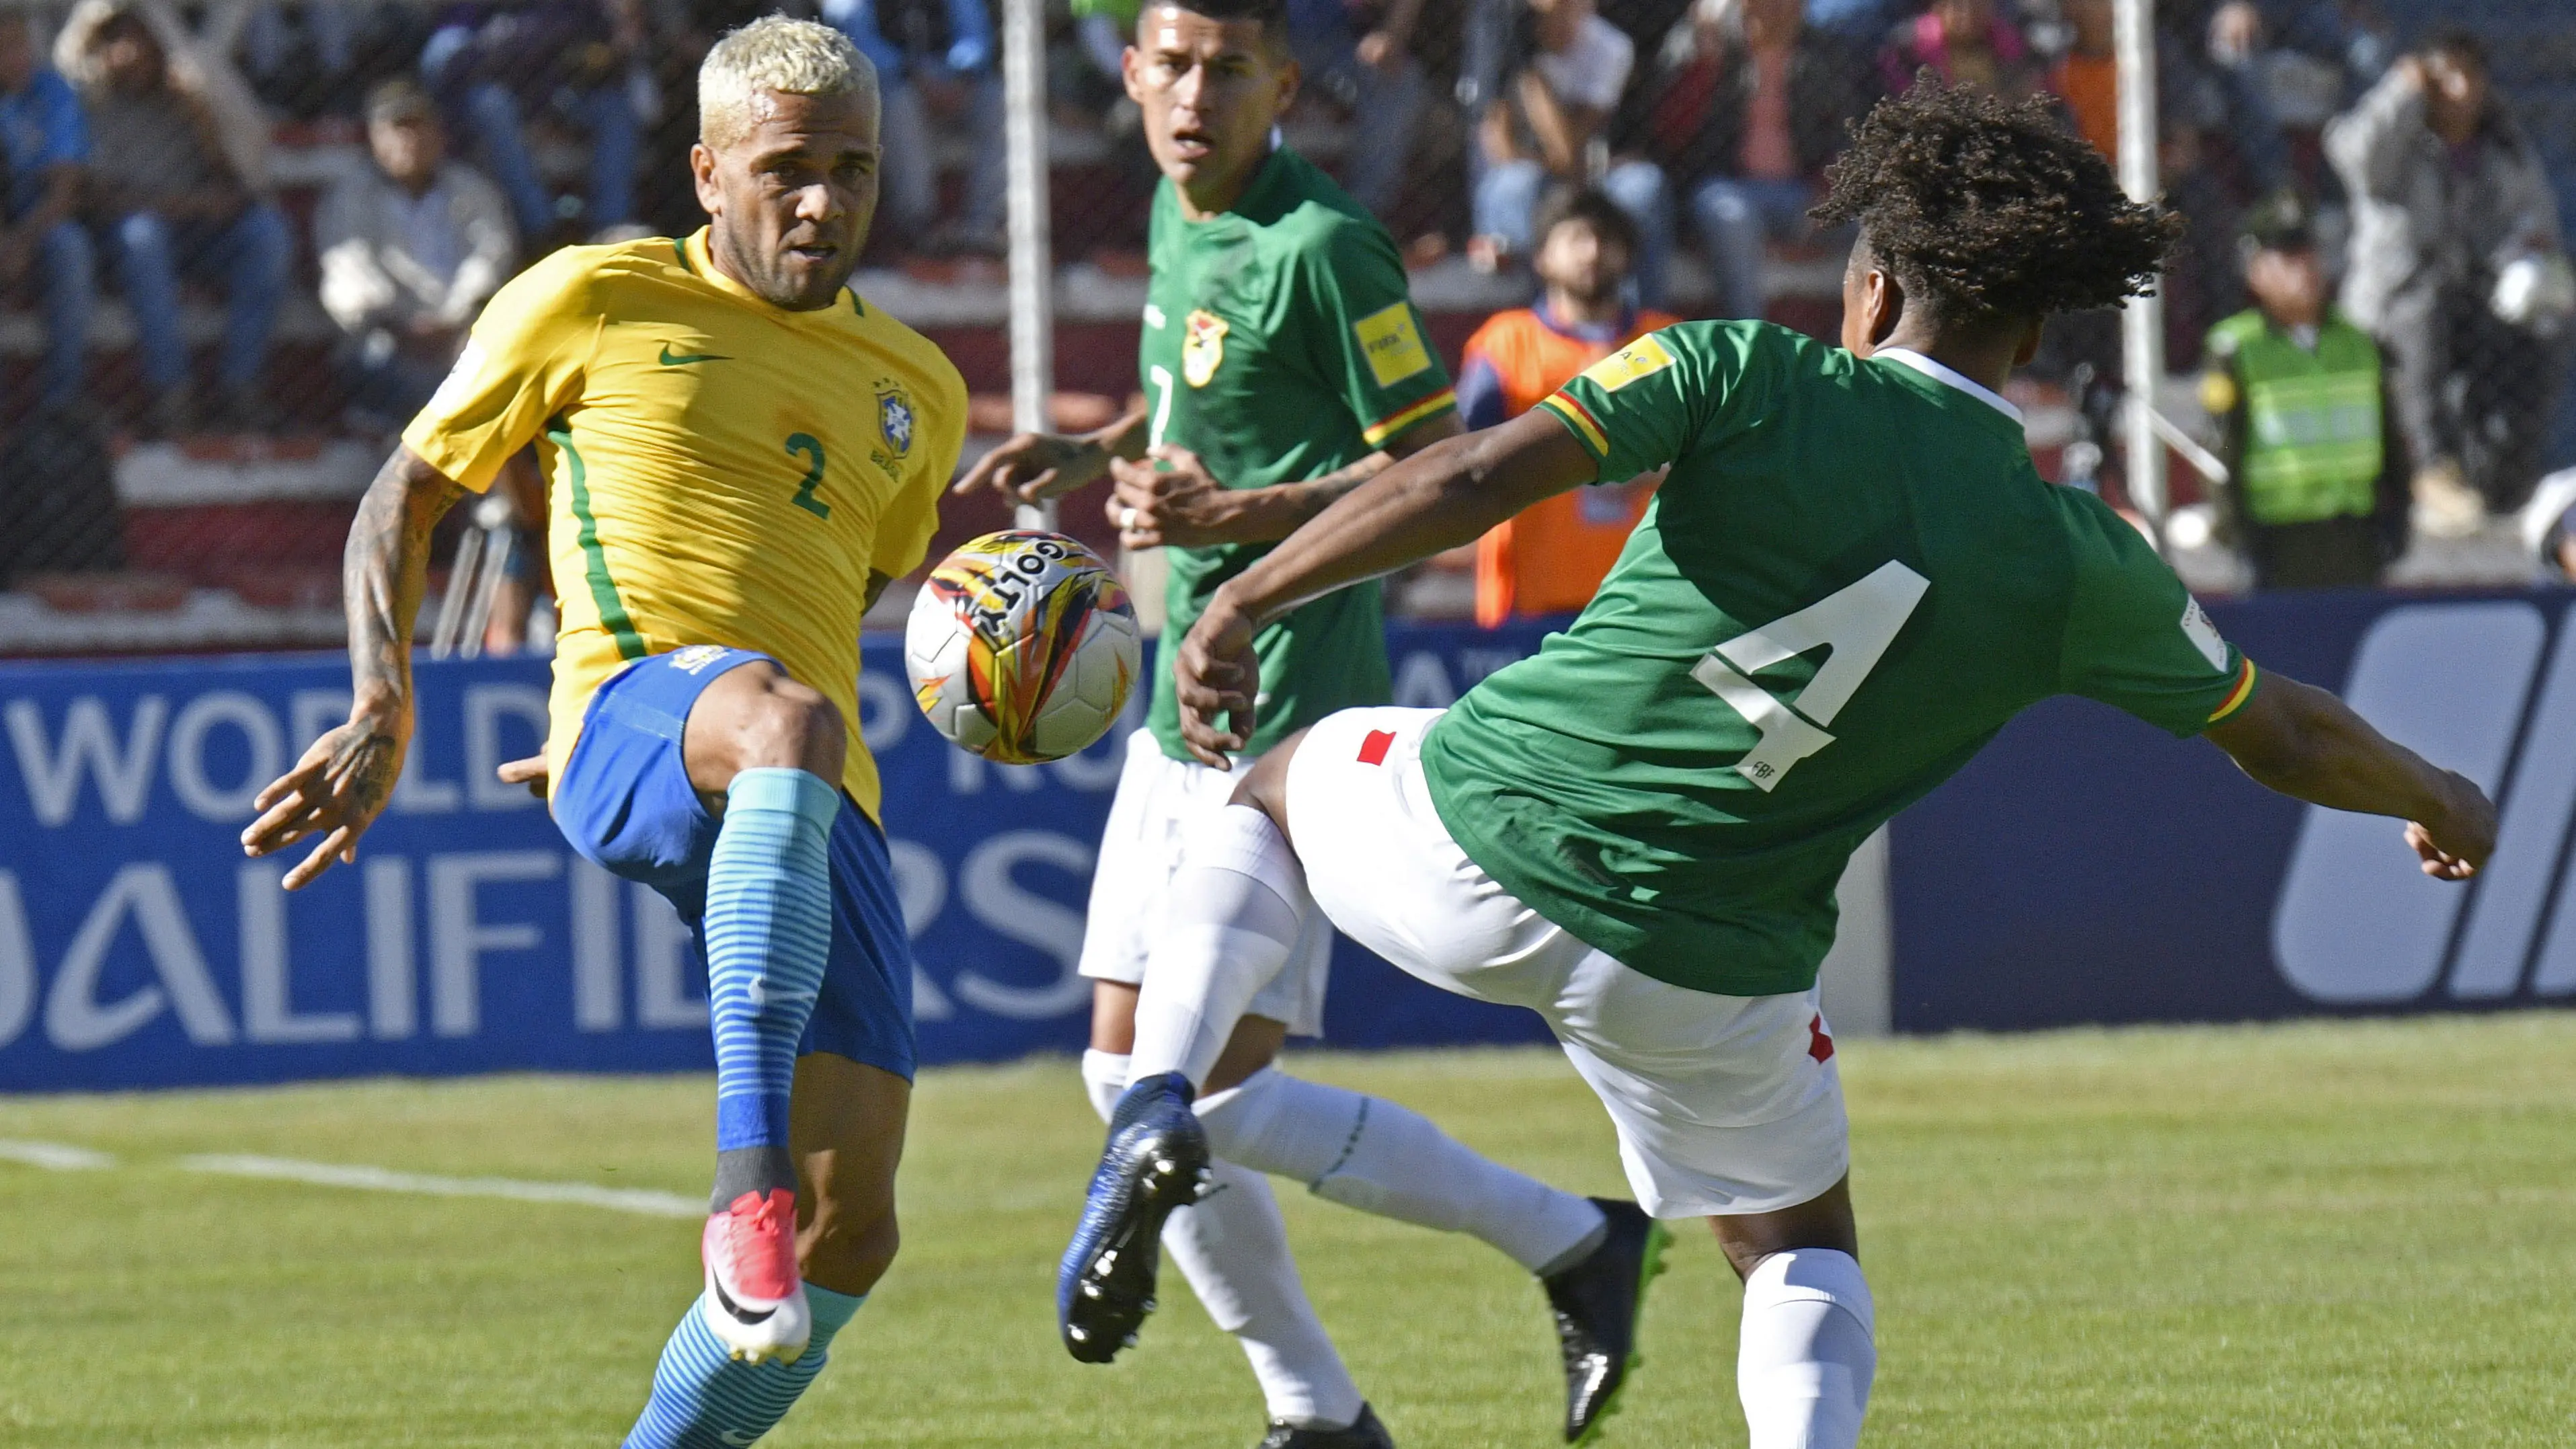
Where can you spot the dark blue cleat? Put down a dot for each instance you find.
(1156, 1161)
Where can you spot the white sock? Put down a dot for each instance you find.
(1233, 1248)
(1237, 906)
(1104, 1077)
(1807, 1350)
(1380, 1157)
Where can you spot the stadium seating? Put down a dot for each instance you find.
(233, 540)
(2531, 49)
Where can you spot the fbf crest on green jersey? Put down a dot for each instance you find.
(1280, 344)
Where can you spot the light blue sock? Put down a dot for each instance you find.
(769, 932)
(705, 1399)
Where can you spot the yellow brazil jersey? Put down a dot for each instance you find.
(720, 471)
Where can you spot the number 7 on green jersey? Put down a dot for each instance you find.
(1856, 624)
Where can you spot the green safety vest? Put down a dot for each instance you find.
(2312, 420)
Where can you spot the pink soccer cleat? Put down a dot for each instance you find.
(754, 1302)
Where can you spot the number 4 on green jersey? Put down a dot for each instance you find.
(1857, 624)
(1851, 578)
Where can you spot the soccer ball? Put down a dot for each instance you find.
(1022, 647)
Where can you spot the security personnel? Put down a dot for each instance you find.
(1551, 558)
(2317, 480)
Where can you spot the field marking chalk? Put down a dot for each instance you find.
(378, 1179)
(54, 1156)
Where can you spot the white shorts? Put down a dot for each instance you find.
(1158, 800)
(1724, 1104)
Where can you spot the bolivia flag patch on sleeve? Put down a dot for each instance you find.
(1586, 428)
(2238, 693)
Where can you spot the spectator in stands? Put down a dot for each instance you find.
(1552, 557)
(2549, 526)
(2317, 487)
(172, 201)
(302, 64)
(47, 141)
(573, 60)
(2449, 199)
(1751, 121)
(933, 57)
(410, 248)
(2276, 66)
(1367, 70)
(1085, 86)
(2205, 73)
(1546, 123)
(2087, 77)
(2226, 43)
(1965, 43)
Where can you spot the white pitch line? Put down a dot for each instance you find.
(379, 1179)
(54, 1156)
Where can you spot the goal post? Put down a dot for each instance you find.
(1032, 322)
(2142, 320)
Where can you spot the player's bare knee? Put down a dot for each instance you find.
(756, 717)
(791, 726)
(849, 1247)
(1824, 1221)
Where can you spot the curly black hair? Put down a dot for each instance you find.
(1985, 210)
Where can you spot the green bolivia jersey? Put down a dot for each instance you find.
(1280, 344)
(1851, 578)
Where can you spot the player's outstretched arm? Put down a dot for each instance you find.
(2304, 742)
(1172, 499)
(1034, 467)
(1444, 496)
(343, 781)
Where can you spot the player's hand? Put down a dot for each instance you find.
(1177, 504)
(530, 772)
(1379, 51)
(2454, 847)
(336, 791)
(1218, 679)
(1034, 467)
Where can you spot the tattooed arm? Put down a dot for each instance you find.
(341, 784)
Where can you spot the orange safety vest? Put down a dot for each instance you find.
(1550, 558)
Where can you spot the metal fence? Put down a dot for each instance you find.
(243, 238)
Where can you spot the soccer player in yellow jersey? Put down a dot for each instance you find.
(740, 453)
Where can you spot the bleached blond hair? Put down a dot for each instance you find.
(774, 53)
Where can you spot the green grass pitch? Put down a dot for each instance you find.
(2353, 1234)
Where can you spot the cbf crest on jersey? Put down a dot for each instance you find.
(1202, 347)
(894, 417)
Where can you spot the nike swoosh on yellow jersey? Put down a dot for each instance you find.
(685, 358)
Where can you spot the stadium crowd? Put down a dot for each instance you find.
(303, 205)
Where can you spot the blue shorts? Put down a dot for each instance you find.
(625, 802)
